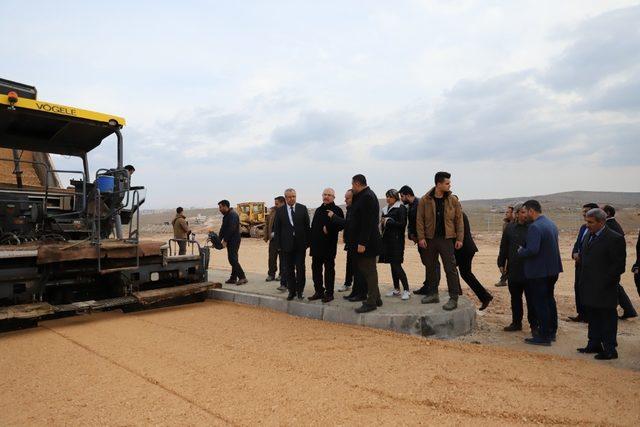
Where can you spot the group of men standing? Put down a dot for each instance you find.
(529, 260)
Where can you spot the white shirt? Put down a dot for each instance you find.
(289, 213)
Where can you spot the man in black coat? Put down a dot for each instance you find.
(511, 266)
(602, 263)
(464, 258)
(292, 233)
(364, 239)
(628, 310)
(636, 266)
(359, 288)
(411, 203)
(575, 255)
(230, 238)
(324, 242)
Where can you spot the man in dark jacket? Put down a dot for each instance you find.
(512, 266)
(324, 242)
(292, 233)
(542, 265)
(575, 255)
(509, 217)
(628, 311)
(636, 266)
(603, 259)
(411, 203)
(364, 239)
(230, 237)
(352, 275)
(464, 259)
(273, 247)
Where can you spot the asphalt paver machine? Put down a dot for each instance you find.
(73, 248)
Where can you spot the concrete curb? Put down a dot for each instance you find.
(441, 324)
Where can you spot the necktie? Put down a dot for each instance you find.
(592, 237)
(292, 215)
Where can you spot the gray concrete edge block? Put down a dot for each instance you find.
(341, 315)
(301, 309)
(248, 299)
(221, 294)
(274, 303)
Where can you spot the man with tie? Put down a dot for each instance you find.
(542, 265)
(292, 234)
(575, 255)
(602, 263)
(324, 243)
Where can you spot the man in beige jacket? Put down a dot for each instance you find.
(440, 230)
(181, 230)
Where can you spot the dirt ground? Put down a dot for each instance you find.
(253, 257)
(218, 363)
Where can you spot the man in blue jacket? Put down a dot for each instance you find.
(542, 265)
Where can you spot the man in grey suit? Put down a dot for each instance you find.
(542, 265)
(603, 259)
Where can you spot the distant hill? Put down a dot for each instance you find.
(568, 199)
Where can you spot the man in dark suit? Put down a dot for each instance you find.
(636, 266)
(359, 288)
(628, 311)
(411, 203)
(511, 265)
(464, 258)
(542, 265)
(575, 254)
(364, 239)
(324, 243)
(230, 237)
(602, 263)
(292, 233)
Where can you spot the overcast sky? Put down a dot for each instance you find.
(240, 100)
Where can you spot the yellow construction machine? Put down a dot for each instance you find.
(253, 218)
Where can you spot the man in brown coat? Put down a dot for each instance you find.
(440, 229)
(273, 245)
(181, 230)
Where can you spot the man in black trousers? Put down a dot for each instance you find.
(603, 259)
(292, 233)
(628, 311)
(359, 288)
(512, 267)
(230, 238)
(464, 259)
(364, 239)
(411, 203)
(575, 255)
(324, 242)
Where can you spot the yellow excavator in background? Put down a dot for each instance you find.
(253, 218)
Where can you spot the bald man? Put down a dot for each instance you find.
(324, 241)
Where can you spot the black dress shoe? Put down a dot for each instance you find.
(327, 298)
(315, 297)
(231, 282)
(358, 298)
(577, 318)
(379, 302)
(290, 297)
(590, 349)
(608, 355)
(422, 291)
(537, 341)
(513, 327)
(348, 297)
(486, 302)
(300, 297)
(364, 308)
